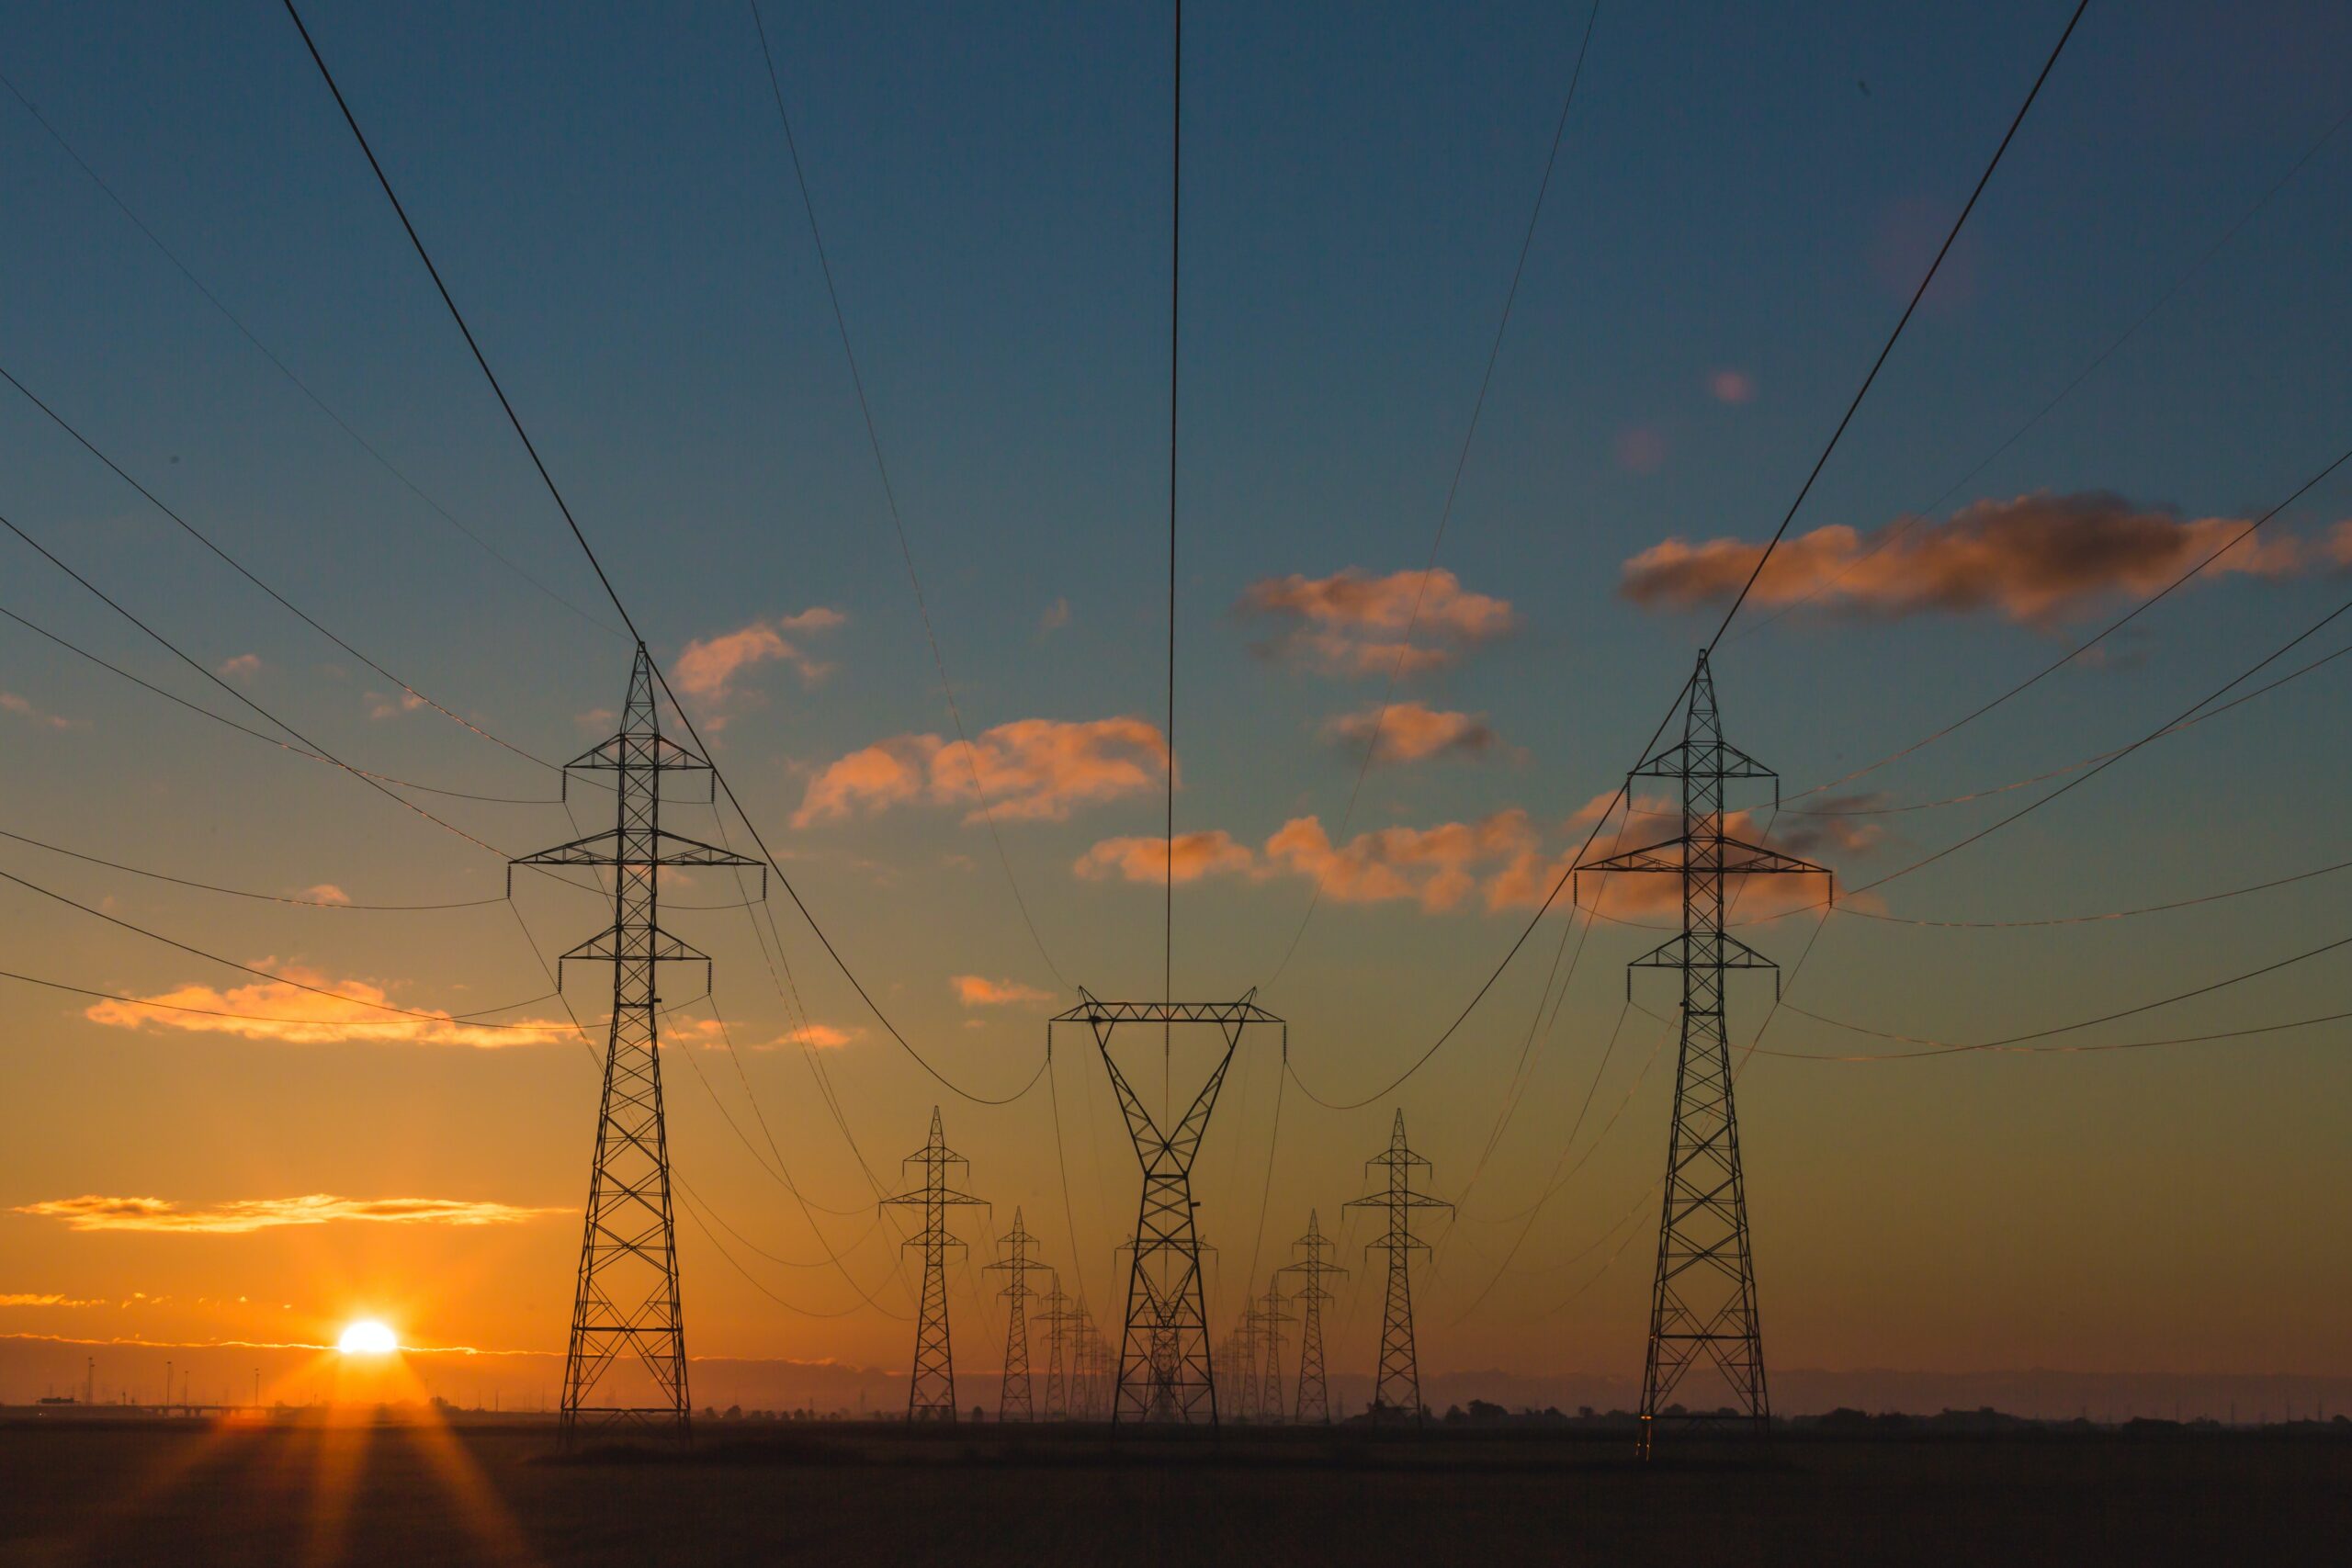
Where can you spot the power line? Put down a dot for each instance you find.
(1175, 361)
(1942, 1049)
(311, 747)
(579, 536)
(465, 1017)
(1903, 525)
(259, 974)
(240, 892)
(890, 495)
(1789, 517)
(1892, 338)
(204, 712)
(241, 570)
(1454, 486)
(284, 369)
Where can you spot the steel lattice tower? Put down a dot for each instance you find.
(626, 1304)
(1164, 1372)
(1271, 1318)
(1244, 1340)
(1314, 1391)
(1013, 1402)
(1058, 1318)
(931, 1389)
(1702, 1303)
(1398, 1391)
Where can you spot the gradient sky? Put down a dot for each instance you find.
(1742, 204)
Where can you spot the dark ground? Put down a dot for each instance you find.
(162, 1492)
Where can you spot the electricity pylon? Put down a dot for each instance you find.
(1398, 1391)
(627, 1300)
(1702, 1302)
(1313, 1393)
(1270, 1319)
(1014, 1401)
(1164, 1362)
(1058, 1317)
(1247, 1335)
(930, 1390)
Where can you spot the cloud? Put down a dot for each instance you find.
(382, 706)
(1412, 731)
(23, 707)
(1437, 867)
(50, 1298)
(242, 668)
(1147, 860)
(1730, 386)
(326, 893)
(1037, 768)
(707, 667)
(240, 1217)
(978, 992)
(2035, 560)
(1641, 448)
(1055, 617)
(821, 1036)
(1352, 624)
(273, 1010)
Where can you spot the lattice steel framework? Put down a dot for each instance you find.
(1016, 1396)
(627, 1302)
(931, 1389)
(1314, 1391)
(1396, 1395)
(1271, 1318)
(1702, 1303)
(1059, 1317)
(1165, 1371)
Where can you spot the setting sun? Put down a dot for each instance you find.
(367, 1338)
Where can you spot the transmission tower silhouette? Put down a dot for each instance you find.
(1314, 1403)
(931, 1389)
(1164, 1372)
(1397, 1393)
(1058, 1317)
(1702, 1302)
(625, 1307)
(1271, 1318)
(1013, 1396)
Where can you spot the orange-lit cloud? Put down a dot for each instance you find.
(326, 893)
(1411, 731)
(1354, 624)
(1437, 867)
(1730, 386)
(707, 666)
(979, 991)
(24, 707)
(92, 1212)
(2035, 560)
(1197, 855)
(272, 1010)
(242, 668)
(50, 1298)
(382, 706)
(1038, 769)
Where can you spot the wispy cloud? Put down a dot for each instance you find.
(93, 1212)
(275, 1011)
(48, 1299)
(382, 706)
(1411, 731)
(1353, 624)
(24, 709)
(979, 991)
(1199, 854)
(1032, 768)
(707, 667)
(2037, 559)
(240, 669)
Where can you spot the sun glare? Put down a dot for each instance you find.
(367, 1338)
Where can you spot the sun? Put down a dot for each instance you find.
(367, 1338)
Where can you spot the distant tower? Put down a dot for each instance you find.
(626, 1304)
(1314, 1394)
(1013, 1402)
(1243, 1361)
(1397, 1394)
(1058, 1318)
(1271, 1318)
(930, 1390)
(1703, 1300)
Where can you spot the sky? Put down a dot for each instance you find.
(2133, 349)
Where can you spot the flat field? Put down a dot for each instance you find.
(283, 1493)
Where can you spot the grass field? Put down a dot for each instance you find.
(160, 1492)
